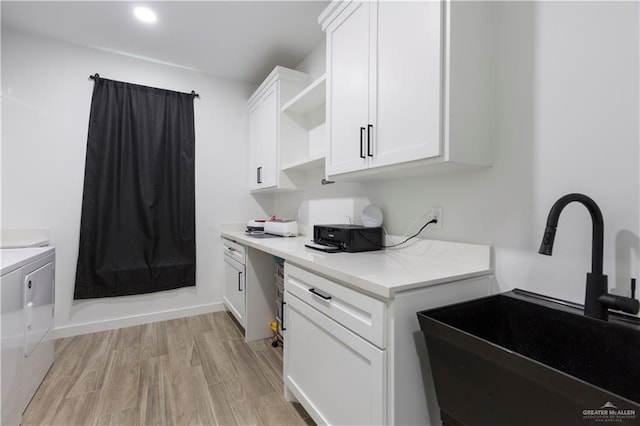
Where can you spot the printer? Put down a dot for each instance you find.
(349, 238)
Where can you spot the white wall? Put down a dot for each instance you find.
(314, 63)
(46, 94)
(567, 121)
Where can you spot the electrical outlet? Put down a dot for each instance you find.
(436, 213)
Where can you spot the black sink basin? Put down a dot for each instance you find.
(519, 358)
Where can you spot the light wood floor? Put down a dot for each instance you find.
(189, 371)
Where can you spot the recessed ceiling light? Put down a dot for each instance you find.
(144, 14)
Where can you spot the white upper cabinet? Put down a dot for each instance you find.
(348, 76)
(392, 67)
(269, 130)
(263, 137)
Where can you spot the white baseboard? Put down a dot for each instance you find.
(111, 324)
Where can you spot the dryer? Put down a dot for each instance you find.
(27, 286)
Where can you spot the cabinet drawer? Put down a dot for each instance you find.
(358, 312)
(234, 250)
(336, 375)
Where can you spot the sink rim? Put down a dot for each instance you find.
(615, 318)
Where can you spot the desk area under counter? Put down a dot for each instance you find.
(351, 330)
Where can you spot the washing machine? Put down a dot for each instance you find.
(27, 286)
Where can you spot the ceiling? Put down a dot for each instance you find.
(236, 40)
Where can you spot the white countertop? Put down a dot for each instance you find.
(381, 273)
(12, 259)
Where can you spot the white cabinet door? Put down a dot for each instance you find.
(254, 146)
(268, 113)
(263, 141)
(336, 375)
(234, 289)
(408, 76)
(348, 51)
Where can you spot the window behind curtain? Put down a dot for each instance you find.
(137, 231)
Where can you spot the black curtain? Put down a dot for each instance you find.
(137, 232)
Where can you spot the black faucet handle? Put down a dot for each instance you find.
(620, 303)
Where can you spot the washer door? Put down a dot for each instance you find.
(38, 306)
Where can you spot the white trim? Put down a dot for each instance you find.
(332, 11)
(279, 73)
(111, 324)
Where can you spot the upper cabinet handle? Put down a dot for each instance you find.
(369, 129)
(362, 142)
(259, 177)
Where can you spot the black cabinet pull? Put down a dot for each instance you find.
(319, 293)
(282, 327)
(29, 283)
(369, 128)
(259, 174)
(362, 142)
(239, 281)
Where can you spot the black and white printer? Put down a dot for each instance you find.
(346, 238)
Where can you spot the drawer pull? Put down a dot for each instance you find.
(320, 293)
(282, 326)
(231, 249)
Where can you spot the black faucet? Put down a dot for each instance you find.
(597, 300)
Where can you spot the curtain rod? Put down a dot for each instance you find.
(96, 76)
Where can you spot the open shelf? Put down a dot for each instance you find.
(309, 99)
(305, 164)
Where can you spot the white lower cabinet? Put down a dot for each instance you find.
(233, 290)
(234, 283)
(336, 375)
(353, 359)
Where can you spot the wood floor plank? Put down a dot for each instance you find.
(153, 338)
(92, 366)
(76, 410)
(128, 417)
(243, 410)
(251, 382)
(154, 405)
(223, 326)
(191, 397)
(222, 406)
(46, 400)
(199, 323)
(128, 336)
(181, 344)
(216, 358)
(120, 390)
(67, 356)
(267, 362)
